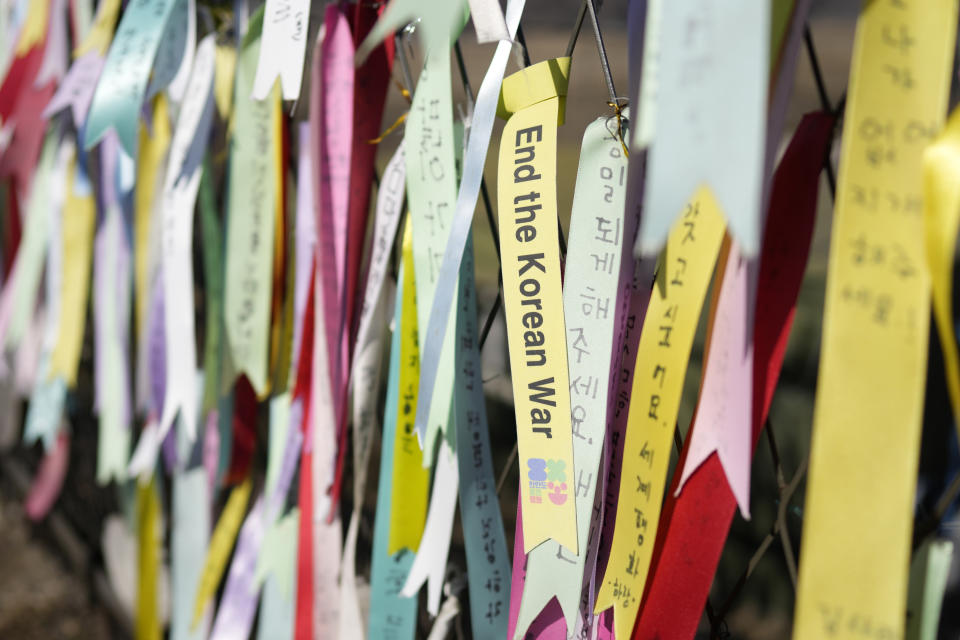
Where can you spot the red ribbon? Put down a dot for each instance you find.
(370, 93)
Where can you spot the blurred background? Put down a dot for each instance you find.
(55, 579)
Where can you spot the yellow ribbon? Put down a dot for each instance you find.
(148, 534)
(79, 213)
(34, 28)
(101, 32)
(533, 99)
(150, 161)
(870, 391)
(221, 543)
(941, 204)
(662, 358)
(411, 481)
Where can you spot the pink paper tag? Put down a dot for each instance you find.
(49, 479)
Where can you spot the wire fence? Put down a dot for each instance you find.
(75, 527)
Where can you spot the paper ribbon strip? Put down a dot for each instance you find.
(78, 222)
(941, 198)
(277, 605)
(213, 277)
(177, 87)
(221, 543)
(596, 241)
(55, 54)
(481, 126)
(21, 289)
(303, 613)
(46, 407)
(303, 623)
(112, 291)
(327, 536)
(929, 571)
(662, 358)
(705, 52)
(644, 22)
(527, 202)
(376, 302)
(371, 82)
(24, 126)
(252, 208)
(26, 359)
(366, 369)
(488, 21)
(432, 190)
(283, 452)
(411, 481)
(350, 619)
(150, 542)
(148, 259)
(694, 525)
(49, 392)
(550, 623)
(488, 565)
(190, 533)
(431, 562)
(439, 25)
(870, 389)
(335, 143)
(34, 26)
(100, 35)
(147, 236)
(174, 59)
(723, 415)
(223, 80)
(182, 182)
(120, 90)
(48, 482)
(633, 297)
(285, 46)
(76, 89)
(81, 18)
(239, 602)
(305, 248)
(8, 27)
(333, 84)
(391, 615)
(284, 265)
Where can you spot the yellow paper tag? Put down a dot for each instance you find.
(662, 358)
(536, 332)
(870, 390)
(411, 481)
(148, 536)
(34, 28)
(79, 212)
(150, 160)
(941, 204)
(221, 544)
(224, 70)
(279, 347)
(101, 32)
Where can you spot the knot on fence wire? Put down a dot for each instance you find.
(618, 104)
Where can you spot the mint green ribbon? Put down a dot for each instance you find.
(123, 82)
